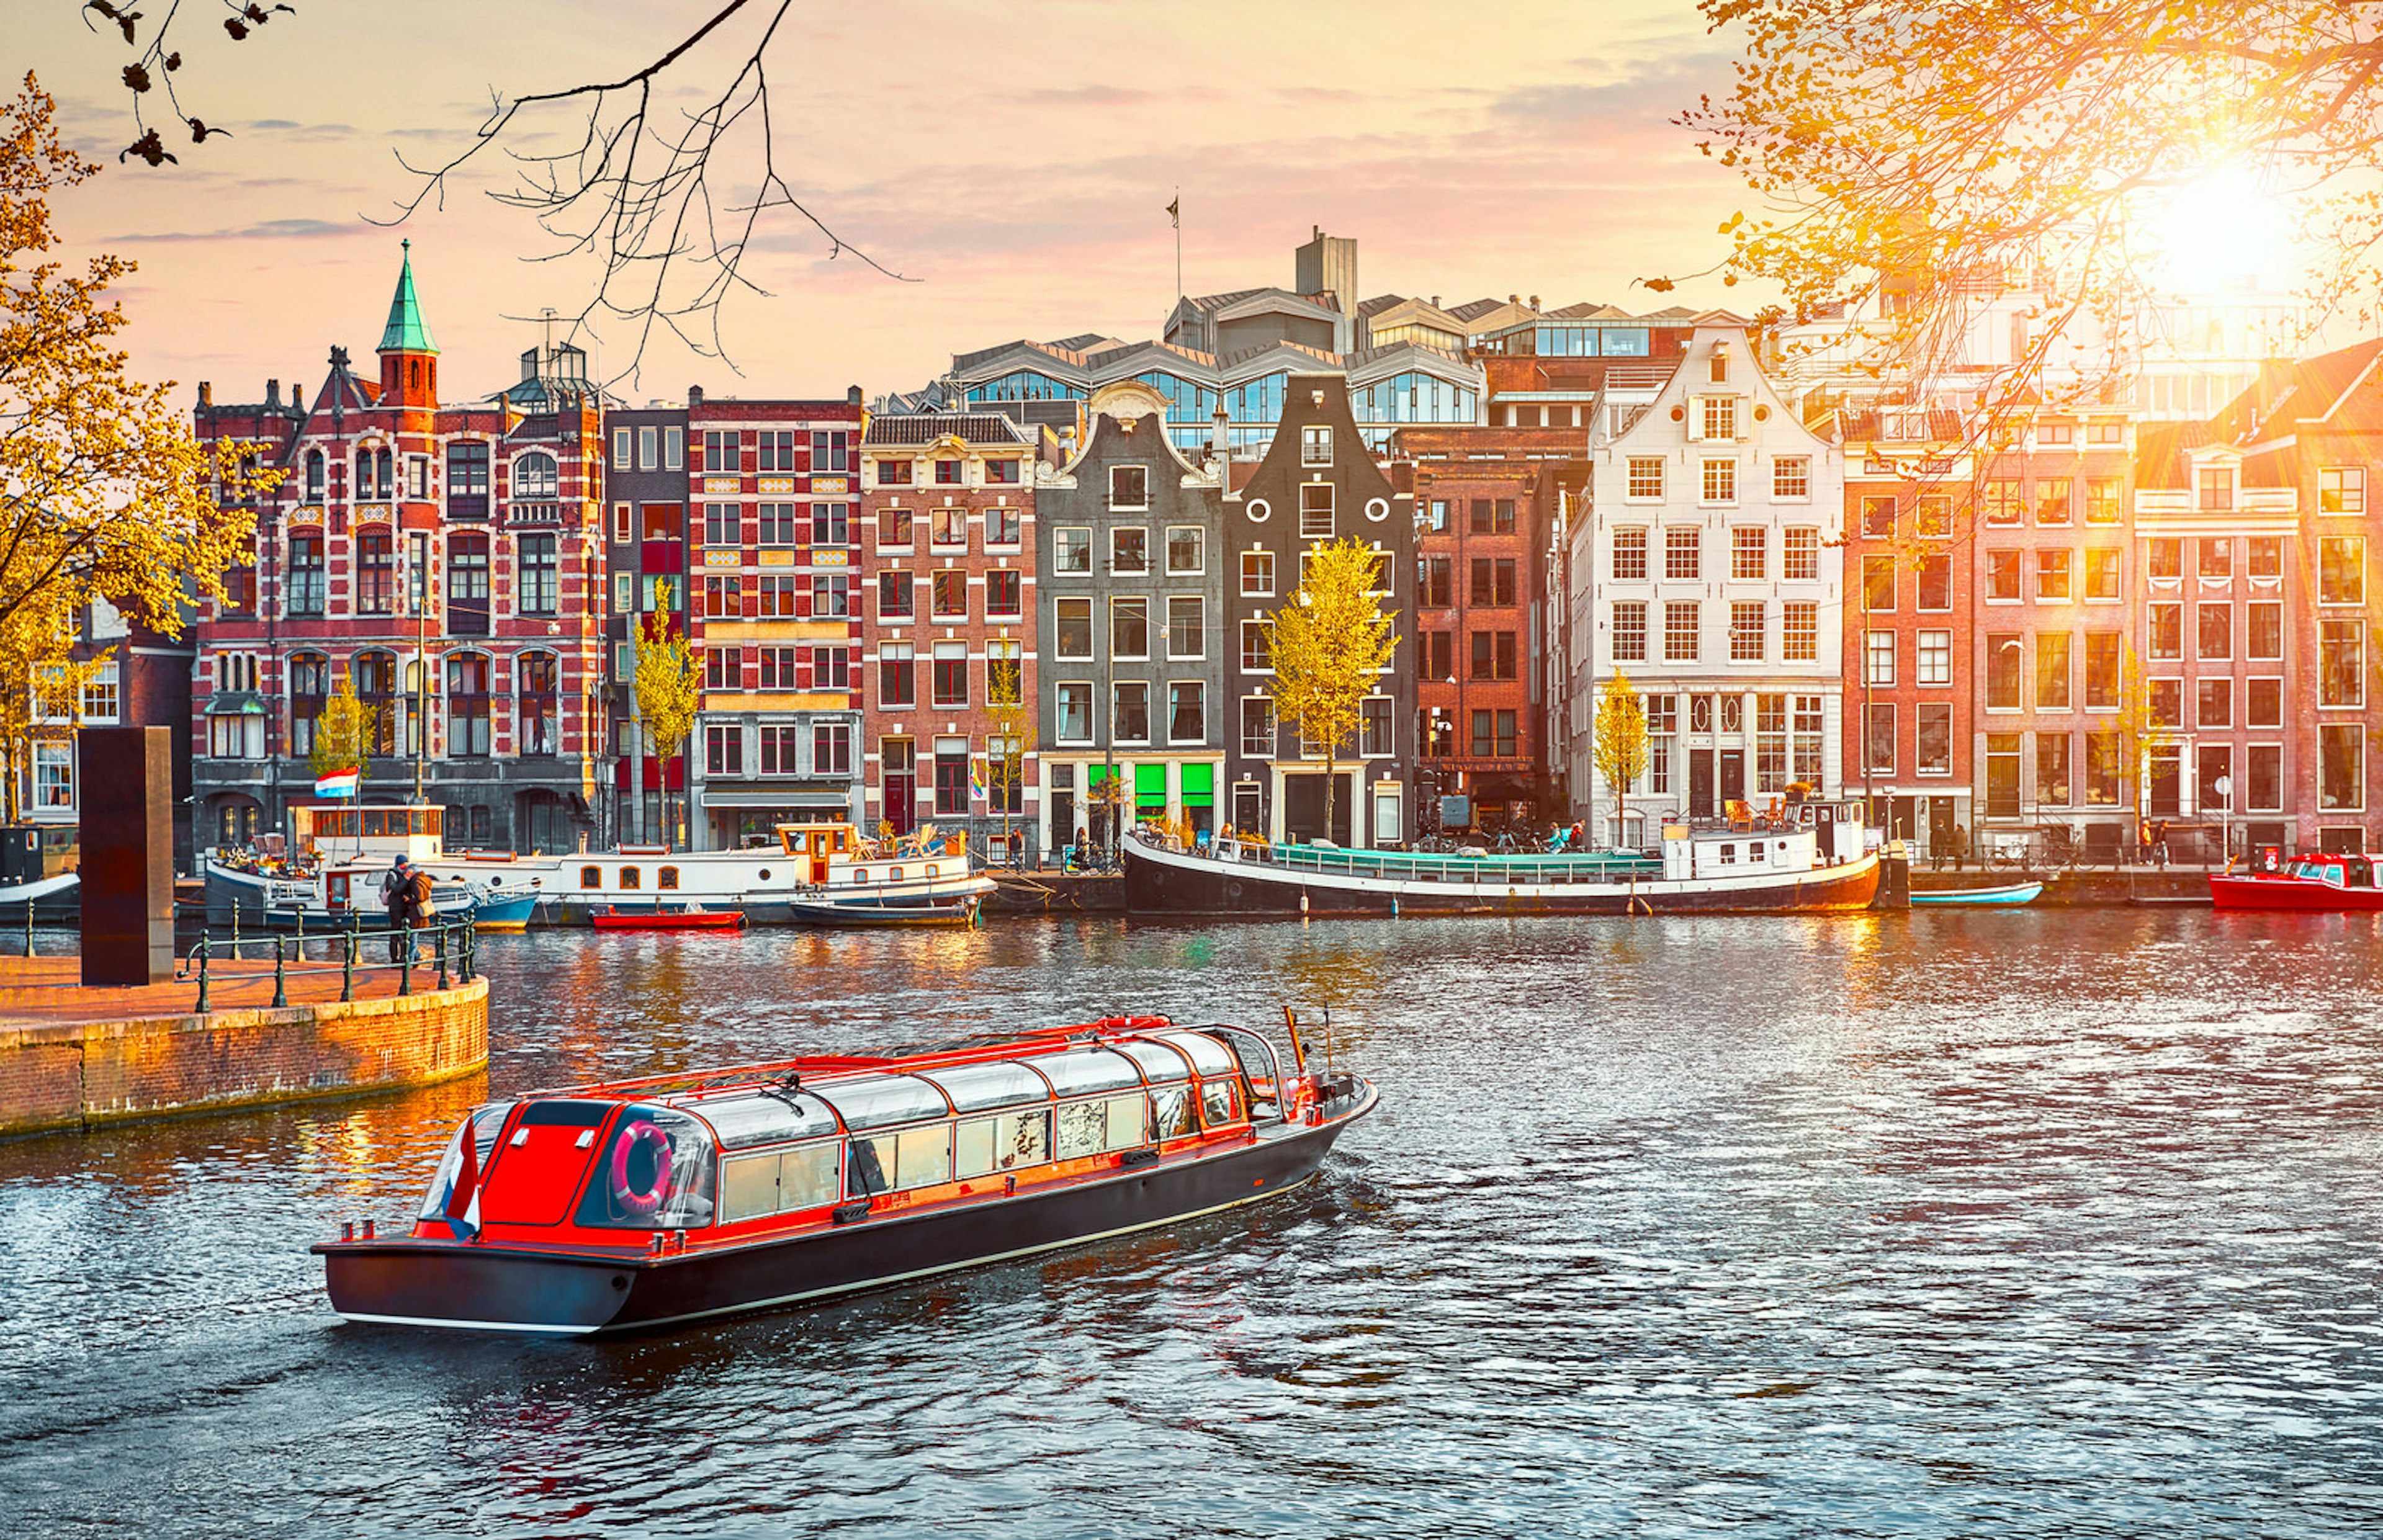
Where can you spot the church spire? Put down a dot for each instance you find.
(405, 332)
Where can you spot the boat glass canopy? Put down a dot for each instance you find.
(1160, 1061)
(766, 1118)
(1208, 1055)
(976, 1087)
(1086, 1069)
(879, 1101)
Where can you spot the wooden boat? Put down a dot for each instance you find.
(875, 915)
(1810, 859)
(2336, 884)
(688, 918)
(650, 1202)
(2007, 896)
(510, 912)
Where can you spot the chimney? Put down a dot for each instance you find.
(1514, 298)
(695, 395)
(1535, 303)
(206, 396)
(852, 396)
(273, 394)
(1435, 302)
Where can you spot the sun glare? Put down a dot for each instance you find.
(2221, 232)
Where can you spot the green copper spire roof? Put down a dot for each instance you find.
(405, 333)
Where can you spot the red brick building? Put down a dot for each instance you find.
(1486, 505)
(444, 560)
(1908, 625)
(774, 583)
(949, 510)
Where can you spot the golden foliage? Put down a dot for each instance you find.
(669, 683)
(1910, 158)
(344, 736)
(1618, 738)
(1330, 645)
(104, 491)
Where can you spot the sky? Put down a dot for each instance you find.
(1012, 162)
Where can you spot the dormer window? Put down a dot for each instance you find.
(2217, 489)
(948, 472)
(1721, 364)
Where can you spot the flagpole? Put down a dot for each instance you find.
(1175, 210)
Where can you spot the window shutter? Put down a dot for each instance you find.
(802, 596)
(1695, 419)
(802, 668)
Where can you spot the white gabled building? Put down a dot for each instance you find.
(1706, 566)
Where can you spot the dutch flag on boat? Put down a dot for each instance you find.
(342, 783)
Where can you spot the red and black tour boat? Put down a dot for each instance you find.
(2323, 882)
(647, 1202)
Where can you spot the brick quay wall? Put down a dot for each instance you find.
(74, 1058)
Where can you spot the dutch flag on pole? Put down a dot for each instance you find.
(337, 784)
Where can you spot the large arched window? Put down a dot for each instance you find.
(313, 475)
(467, 706)
(535, 477)
(310, 686)
(375, 677)
(360, 490)
(537, 685)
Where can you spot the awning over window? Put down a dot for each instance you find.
(1199, 785)
(236, 703)
(1150, 788)
(774, 799)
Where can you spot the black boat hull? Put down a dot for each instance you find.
(493, 1288)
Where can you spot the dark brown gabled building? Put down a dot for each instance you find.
(1318, 484)
(1486, 502)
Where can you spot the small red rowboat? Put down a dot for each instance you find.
(689, 918)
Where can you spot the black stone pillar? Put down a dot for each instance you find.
(126, 775)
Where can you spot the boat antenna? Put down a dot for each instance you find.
(788, 1088)
(1327, 1039)
(1298, 1049)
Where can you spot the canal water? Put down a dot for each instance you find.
(2014, 1224)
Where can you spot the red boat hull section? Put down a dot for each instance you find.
(2243, 892)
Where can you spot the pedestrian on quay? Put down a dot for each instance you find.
(2159, 843)
(1960, 845)
(393, 883)
(414, 913)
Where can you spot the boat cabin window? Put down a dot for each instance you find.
(1754, 853)
(934, 870)
(778, 1181)
(894, 875)
(880, 1101)
(484, 1125)
(743, 1122)
(899, 1162)
(1160, 1061)
(1089, 1069)
(591, 877)
(984, 1145)
(1729, 855)
(653, 1173)
(1208, 1055)
(1170, 1108)
(978, 1087)
(1108, 1123)
(1220, 1103)
(630, 881)
(666, 877)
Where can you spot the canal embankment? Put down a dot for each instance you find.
(74, 1057)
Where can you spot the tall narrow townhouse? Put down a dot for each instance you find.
(1319, 484)
(2316, 427)
(1715, 576)
(778, 616)
(2219, 637)
(2051, 595)
(1129, 564)
(947, 637)
(1907, 632)
(646, 493)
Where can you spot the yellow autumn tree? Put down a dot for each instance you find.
(669, 688)
(105, 492)
(1010, 729)
(1329, 645)
(344, 736)
(1618, 742)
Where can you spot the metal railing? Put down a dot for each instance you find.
(450, 942)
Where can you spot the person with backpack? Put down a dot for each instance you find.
(393, 885)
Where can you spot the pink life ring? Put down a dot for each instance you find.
(641, 1204)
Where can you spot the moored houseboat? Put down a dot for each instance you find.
(1808, 858)
(649, 1202)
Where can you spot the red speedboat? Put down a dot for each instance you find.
(649, 1202)
(689, 918)
(2328, 882)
